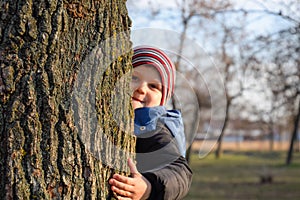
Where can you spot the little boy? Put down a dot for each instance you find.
(162, 171)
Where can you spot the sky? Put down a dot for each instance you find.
(166, 16)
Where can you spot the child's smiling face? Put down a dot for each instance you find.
(147, 87)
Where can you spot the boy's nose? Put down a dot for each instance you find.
(142, 88)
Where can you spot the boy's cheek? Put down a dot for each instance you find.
(132, 87)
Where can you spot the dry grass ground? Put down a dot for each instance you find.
(239, 174)
(243, 146)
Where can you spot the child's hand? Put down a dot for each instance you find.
(135, 187)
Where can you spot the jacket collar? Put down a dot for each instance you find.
(146, 118)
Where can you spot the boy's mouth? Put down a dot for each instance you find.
(136, 99)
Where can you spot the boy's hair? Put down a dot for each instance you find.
(148, 55)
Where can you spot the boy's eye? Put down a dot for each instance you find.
(134, 78)
(152, 86)
(155, 86)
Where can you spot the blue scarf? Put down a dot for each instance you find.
(146, 118)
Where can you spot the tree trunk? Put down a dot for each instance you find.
(65, 117)
(220, 138)
(294, 136)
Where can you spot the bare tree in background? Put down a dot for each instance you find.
(195, 10)
(280, 50)
(44, 45)
(231, 38)
(232, 35)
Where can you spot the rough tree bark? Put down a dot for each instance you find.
(45, 46)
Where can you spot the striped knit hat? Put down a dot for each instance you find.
(153, 56)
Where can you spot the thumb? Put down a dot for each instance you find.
(132, 167)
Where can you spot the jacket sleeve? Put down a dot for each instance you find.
(161, 163)
(171, 182)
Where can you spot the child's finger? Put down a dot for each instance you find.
(121, 193)
(121, 178)
(120, 186)
(132, 167)
(123, 198)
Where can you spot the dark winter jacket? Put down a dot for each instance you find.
(160, 152)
